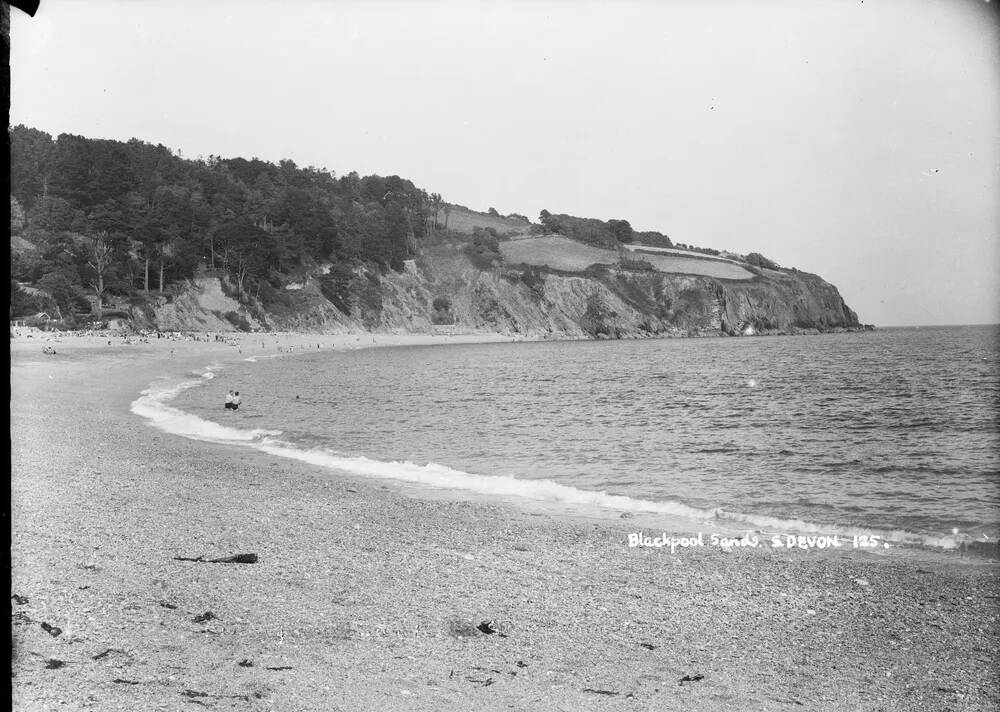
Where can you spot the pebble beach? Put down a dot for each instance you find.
(358, 594)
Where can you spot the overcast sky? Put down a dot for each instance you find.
(857, 140)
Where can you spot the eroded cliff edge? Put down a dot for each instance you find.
(444, 290)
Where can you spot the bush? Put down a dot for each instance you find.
(269, 296)
(758, 260)
(444, 318)
(238, 320)
(636, 263)
(484, 251)
(64, 290)
(534, 279)
(600, 318)
(23, 304)
(336, 286)
(442, 304)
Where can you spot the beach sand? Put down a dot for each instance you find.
(368, 595)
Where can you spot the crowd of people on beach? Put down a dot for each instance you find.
(125, 335)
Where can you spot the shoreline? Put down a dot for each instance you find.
(765, 530)
(371, 594)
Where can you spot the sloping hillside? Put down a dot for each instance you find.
(104, 228)
(608, 301)
(561, 253)
(465, 221)
(556, 252)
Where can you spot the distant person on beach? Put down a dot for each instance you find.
(236, 400)
(229, 400)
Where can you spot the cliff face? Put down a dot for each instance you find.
(610, 302)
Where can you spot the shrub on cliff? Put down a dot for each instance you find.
(443, 318)
(442, 304)
(635, 263)
(23, 304)
(442, 311)
(758, 260)
(534, 279)
(484, 250)
(336, 286)
(599, 318)
(238, 320)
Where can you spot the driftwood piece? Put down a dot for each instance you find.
(235, 559)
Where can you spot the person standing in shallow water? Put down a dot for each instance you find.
(229, 400)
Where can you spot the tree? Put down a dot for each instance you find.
(435, 209)
(163, 214)
(100, 254)
(55, 214)
(758, 260)
(31, 158)
(398, 236)
(248, 246)
(62, 285)
(549, 221)
(147, 240)
(621, 229)
(442, 303)
(164, 250)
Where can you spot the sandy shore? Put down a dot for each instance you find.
(369, 596)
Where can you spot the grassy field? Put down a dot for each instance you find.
(556, 252)
(673, 251)
(465, 220)
(707, 266)
(567, 255)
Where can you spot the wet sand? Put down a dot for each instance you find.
(367, 595)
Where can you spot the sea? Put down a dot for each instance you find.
(892, 432)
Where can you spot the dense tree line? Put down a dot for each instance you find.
(99, 222)
(99, 218)
(602, 233)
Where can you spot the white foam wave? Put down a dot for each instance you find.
(153, 405)
(799, 526)
(441, 476)
(444, 477)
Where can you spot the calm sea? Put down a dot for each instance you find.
(893, 431)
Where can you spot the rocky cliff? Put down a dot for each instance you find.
(444, 290)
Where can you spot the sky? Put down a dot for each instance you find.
(856, 140)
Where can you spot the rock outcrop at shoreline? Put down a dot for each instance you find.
(603, 301)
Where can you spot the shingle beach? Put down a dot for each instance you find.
(371, 595)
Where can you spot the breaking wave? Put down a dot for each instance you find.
(153, 405)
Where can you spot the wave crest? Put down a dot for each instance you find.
(153, 404)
